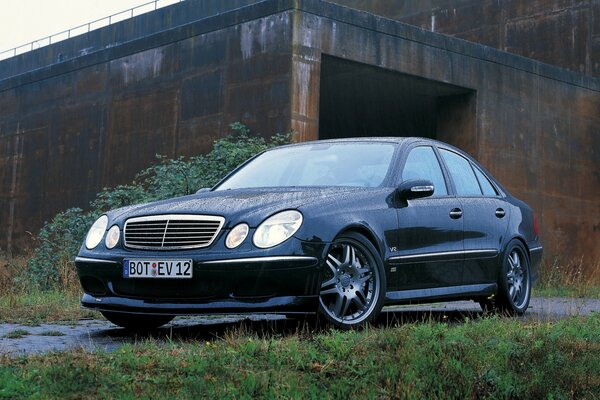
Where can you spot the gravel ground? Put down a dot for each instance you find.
(94, 334)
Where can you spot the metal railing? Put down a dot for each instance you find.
(85, 28)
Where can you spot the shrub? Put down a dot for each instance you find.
(59, 240)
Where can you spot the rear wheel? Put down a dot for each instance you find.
(137, 322)
(514, 286)
(353, 283)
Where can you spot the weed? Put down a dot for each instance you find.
(13, 275)
(51, 333)
(572, 279)
(16, 334)
(35, 307)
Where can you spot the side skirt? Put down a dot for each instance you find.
(441, 293)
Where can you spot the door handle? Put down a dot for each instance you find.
(455, 213)
(500, 213)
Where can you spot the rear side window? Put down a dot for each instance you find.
(462, 174)
(422, 163)
(486, 185)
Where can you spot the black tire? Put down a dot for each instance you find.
(353, 283)
(137, 322)
(514, 285)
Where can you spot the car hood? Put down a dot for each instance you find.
(236, 205)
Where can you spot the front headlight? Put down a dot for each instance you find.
(96, 233)
(277, 228)
(112, 237)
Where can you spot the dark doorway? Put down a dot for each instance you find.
(362, 100)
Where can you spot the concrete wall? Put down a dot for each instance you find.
(70, 128)
(119, 33)
(565, 33)
(537, 127)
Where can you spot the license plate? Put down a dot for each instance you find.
(172, 269)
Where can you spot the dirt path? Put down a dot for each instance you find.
(101, 335)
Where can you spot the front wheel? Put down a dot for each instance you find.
(137, 322)
(353, 282)
(514, 286)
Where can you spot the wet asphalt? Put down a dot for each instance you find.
(99, 334)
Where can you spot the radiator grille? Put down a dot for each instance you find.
(172, 232)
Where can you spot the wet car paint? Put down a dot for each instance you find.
(427, 254)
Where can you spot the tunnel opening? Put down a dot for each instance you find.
(358, 100)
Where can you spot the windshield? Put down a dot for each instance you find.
(318, 164)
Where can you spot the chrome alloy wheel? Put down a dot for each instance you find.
(517, 281)
(351, 284)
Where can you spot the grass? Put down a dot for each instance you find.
(16, 334)
(51, 333)
(23, 303)
(486, 358)
(42, 307)
(481, 358)
(572, 279)
(590, 292)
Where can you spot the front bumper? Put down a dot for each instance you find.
(273, 305)
(251, 283)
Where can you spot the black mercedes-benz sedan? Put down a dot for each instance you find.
(338, 227)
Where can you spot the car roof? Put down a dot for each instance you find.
(373, 139)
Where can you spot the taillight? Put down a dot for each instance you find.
(535, 225)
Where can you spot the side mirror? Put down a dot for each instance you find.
(202, 190)
(416, 188)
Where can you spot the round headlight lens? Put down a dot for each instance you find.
(236, 236)
(96, 233)
(112, 237)
(277, 228)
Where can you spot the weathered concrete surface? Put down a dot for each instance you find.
(72, 127)
(565, 33)
(93, 335)
(69, 129)
(533, 126)
(117, 34)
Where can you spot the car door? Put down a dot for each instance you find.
(485, 218)
(430, 229)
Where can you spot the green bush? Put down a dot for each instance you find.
(59, 239)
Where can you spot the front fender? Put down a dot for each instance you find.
(379, 226)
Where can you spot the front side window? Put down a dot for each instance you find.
(462, 174)
(423, 164)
